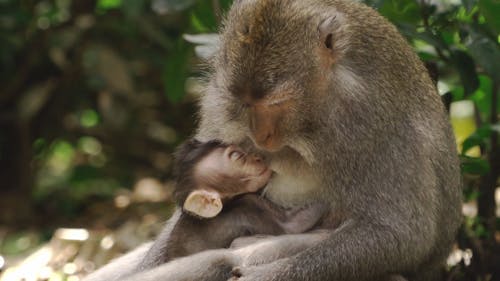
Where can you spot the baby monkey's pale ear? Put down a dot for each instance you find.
(203, 203)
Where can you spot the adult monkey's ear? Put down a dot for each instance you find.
(333, 36)
(325, 33)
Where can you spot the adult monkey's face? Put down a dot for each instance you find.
(269, 79)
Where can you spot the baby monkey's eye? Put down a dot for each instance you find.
(236, 155)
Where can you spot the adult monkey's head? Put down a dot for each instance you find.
(272, 73)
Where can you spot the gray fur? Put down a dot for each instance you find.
(372, 134)
(217, 264)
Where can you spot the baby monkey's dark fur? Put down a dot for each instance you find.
(245, 215)
(186, 157)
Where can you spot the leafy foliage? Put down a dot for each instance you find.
(462, 39)
(96, 95)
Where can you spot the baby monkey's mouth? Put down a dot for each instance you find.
(257, 170)
(266, 172)
(262, 175)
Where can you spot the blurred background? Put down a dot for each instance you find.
(96, 94)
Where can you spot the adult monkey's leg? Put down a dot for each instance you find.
(217, 265)
(265, 251)
(129, 264)
(120, 267)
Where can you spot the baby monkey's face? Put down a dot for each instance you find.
(231, 171)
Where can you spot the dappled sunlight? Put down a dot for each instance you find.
(31, 267)
(458, 256)
(150, 190)
(462, 115)
(97, 95)
(72, 234)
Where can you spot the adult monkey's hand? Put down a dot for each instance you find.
(263, 272)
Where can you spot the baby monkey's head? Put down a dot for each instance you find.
(207, 173)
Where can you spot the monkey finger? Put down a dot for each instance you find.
(248, 273)
(237, 272)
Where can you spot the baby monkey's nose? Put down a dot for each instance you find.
(257, 158)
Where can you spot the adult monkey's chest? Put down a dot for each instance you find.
(294, 184)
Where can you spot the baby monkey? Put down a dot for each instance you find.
(211, 173)
(216, 186)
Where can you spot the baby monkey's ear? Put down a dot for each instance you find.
(203, 203)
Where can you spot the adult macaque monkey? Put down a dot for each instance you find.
(345, 110)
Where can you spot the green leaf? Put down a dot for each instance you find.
(480, 230)
(225, 4)
(464, 15)
(470, 194)
(175, 71)
(133, 8)
(89, 118)
(457, 93)
(477, 138)
(401, 11)
(467, 70)
(198, 24)
(108, 4)
(82, 173)
(203, 18)
(490, 9)
(485, 52)
(449, 38)
(475, 166)
(469, 4)
(426, 36)
(482, 97)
